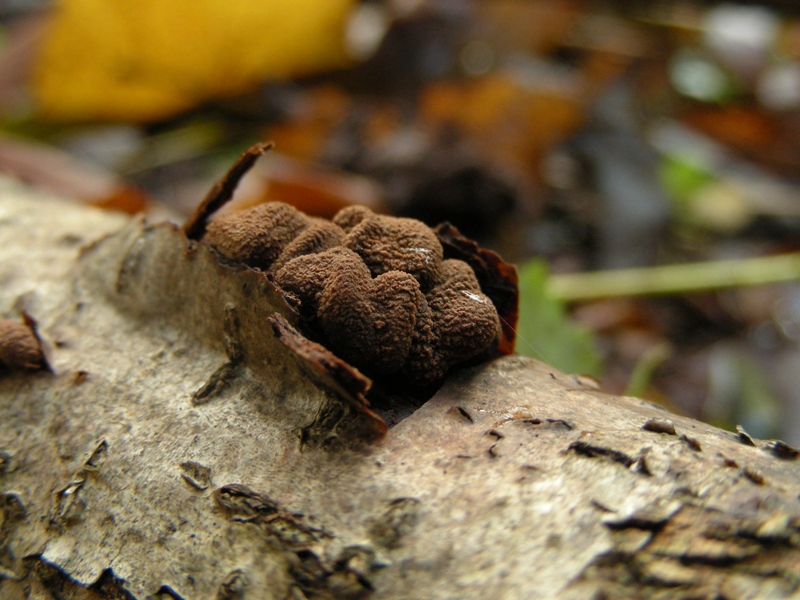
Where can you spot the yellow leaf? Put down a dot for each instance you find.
(140, 60)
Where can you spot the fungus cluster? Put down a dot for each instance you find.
(377, 289)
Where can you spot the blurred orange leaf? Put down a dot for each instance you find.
(141, 60)
(516, 124)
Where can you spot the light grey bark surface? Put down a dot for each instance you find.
(177, 449)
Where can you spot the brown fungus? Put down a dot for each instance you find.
(19, 346)
(498, 280)
(394, 244)
(464, 319)
(306, 276)
(349, 217)
(318, 237)
(256, 236)
(375, 288)
(267, 233)
(370, 321)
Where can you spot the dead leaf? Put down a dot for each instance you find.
(145, 60)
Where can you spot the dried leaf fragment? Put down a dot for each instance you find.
(781, 449)
(333, 373)
(744, 437)
(19, 346)
(659, 426)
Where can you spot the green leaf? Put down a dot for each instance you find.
(545, 331)
(683, 177)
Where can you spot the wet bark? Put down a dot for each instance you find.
(176, 448)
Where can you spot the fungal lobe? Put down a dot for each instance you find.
(257, 236)
(498, 279)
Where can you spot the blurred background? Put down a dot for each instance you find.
(578, 139)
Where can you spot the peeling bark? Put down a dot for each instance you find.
(178, 449)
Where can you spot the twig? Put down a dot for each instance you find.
(675, 279)
(222, 191)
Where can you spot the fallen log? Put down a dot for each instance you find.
(175, 447)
